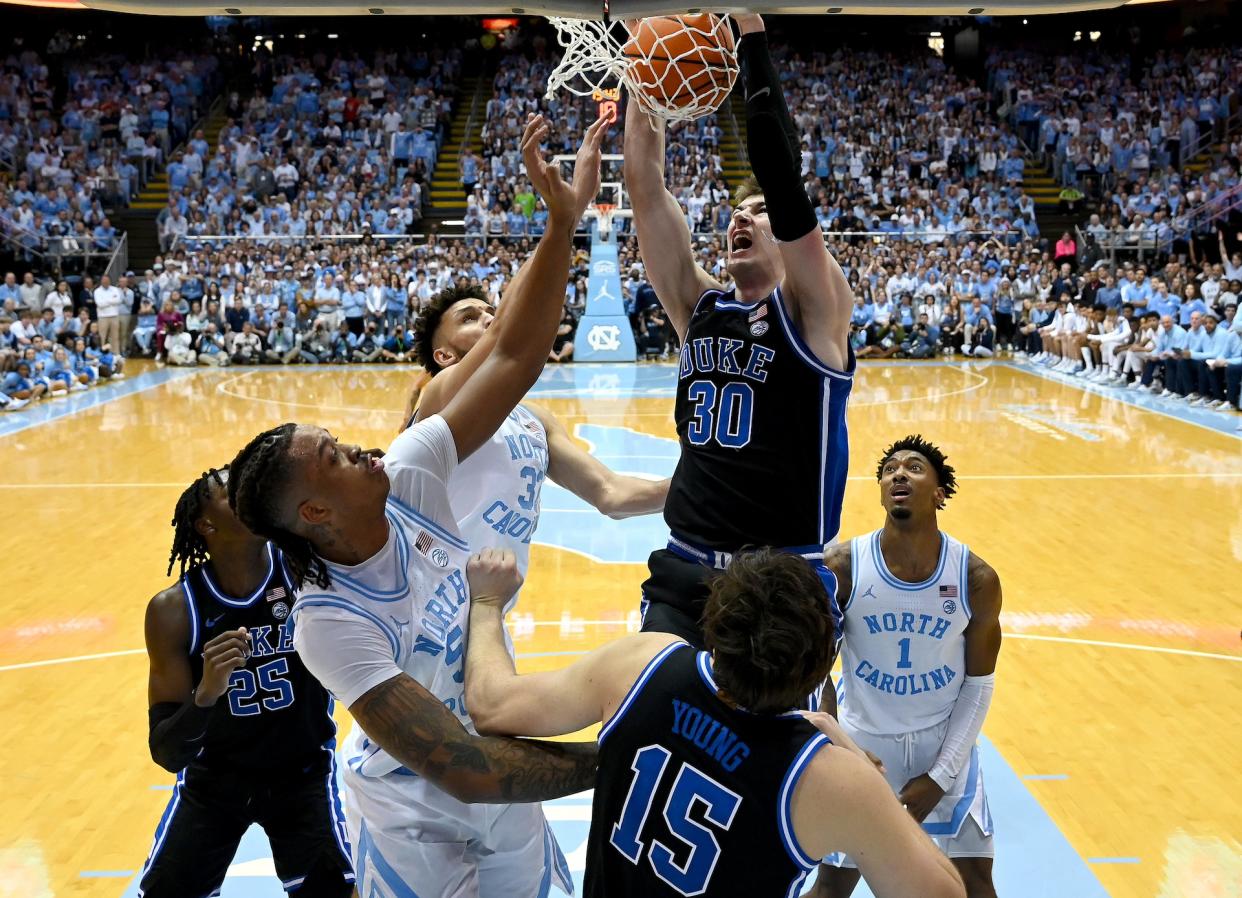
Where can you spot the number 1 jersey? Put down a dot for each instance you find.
(764, 450)
(694, 796)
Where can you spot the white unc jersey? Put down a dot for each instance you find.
(495, 492)
(904, 655)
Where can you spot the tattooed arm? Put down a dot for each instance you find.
(415, 728)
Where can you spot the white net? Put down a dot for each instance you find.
(679, 68)
(592, 61)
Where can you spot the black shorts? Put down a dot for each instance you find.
(210, 811)
(674, 596)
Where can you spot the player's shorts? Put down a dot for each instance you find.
(410, 838)
(677, 589)
(210, 811)
(961, 824)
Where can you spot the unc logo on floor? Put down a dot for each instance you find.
(604, 337)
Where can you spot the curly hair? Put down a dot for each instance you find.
(428, 321)
(915, 443)
(768, 624)
(258, 480)
(188, 545)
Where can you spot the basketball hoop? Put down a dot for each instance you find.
(603, 214)
(596, 61)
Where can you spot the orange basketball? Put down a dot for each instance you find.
(684, 63)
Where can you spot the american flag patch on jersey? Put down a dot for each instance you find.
(532, 426)
(758, 313)
(423, 543)
(275, 594)
(948, 592)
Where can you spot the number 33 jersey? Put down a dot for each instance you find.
(693, 796)
(764, 450)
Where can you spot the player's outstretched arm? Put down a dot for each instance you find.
(414, 727)
(818, 293)
(551, 703)
(481, 403)
(584, 475)
(893, 853)
(663, 234)
(520, 314)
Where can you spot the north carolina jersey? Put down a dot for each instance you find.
(406, 610)
(495, 492)
(761, 421)
(904, 655)
(412, 594)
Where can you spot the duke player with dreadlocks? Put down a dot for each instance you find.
(918, 663)
(766, 368)
(235, 714)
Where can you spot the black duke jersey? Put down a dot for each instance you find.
(694, 796)
(274, 711)
(761, 422)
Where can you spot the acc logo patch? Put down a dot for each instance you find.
(280, 611)
(949, 606)
(439, 557)
(759, 328)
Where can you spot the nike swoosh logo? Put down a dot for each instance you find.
(759, 93)
(212, 621)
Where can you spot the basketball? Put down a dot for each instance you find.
(681, 63)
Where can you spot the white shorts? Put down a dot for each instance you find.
(913, 754)
(408, 842)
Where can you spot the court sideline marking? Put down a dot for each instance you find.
(1066, 640)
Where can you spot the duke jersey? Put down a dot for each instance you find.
(495, 492)
(274, 710)
(904, 655)
(689, 789)
(761, 421)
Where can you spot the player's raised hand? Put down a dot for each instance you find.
(493, 576)
(546, 177)
(586, 165)
(221, 656)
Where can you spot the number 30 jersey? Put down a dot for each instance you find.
(693, 796)
(764, 450)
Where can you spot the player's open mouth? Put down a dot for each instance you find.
(742, 242)
(900, 492)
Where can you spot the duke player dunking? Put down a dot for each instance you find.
(922, 635)
(235, 714)
(708, 783)
(373, 544)
(765, 368)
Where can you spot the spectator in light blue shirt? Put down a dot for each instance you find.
(1209, 380)
(1170, 341)
(1192, 305)
(862, 314)
(354, 304)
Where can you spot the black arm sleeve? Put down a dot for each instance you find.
(772, 142)
(176, 733)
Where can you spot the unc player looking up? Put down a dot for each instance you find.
(235, 714)
(496, 491)
(382, 616)
(918, 663)
(765, 369)
(700, 752)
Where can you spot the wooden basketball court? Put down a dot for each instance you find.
(1111, 759)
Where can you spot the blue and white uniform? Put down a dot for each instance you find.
(903, 661)
(405, 610)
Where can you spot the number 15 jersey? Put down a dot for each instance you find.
(764, 450)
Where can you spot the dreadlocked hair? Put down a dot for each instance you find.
(937, 459)
(428, 321)
(188, 546)
(258, 480)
